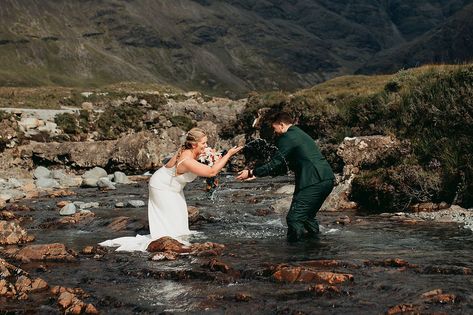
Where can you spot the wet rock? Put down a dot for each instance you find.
(242, 297)
(136, 203)
(12, 233)
(218, 265)
(84, 216)
(167, 244)
(68, 209)
(193, 213)
(403, 309)
(120, 223)
(323, 289)
(88, 250)
(390, 262)
(119, 205)
(293, 274)
(343, 220)
(45, 252)
(437, 296)
(446, 270)
(207, 248)
(62, 203)
(263, 212)
(164, 256)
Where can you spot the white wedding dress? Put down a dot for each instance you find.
(167, 211)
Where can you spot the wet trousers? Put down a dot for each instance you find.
(305, 204)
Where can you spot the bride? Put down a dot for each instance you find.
(167, 207)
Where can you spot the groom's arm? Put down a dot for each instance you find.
(278, 164)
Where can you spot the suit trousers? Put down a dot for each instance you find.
(305, 205)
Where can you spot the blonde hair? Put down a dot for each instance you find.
(193, 136)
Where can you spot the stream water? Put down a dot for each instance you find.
(440, 256)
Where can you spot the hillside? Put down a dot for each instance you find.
(221, 47)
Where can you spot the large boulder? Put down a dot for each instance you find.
(139, 152)
(368, 151)
(45, 252)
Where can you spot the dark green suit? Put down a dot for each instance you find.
(314, 179)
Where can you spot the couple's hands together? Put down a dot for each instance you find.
(245, 174)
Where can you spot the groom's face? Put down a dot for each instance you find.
(278, 128)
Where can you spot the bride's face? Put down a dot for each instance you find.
(201, 145)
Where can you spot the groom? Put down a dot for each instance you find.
(314, 177)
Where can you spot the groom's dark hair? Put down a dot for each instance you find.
(281, 117)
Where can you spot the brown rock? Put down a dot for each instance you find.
(402, 309)
(437, 296)
(46, 252)
(88, 250)
(299, 274)
(17, 207)
(66, 299)
(242, 297)
(77, 217)
(167, 244)
(164, 256)
(39, 285)
(2, 203)
(119, 224)
(193, 213)
(287, 274)
(62, 193)
(62, 203)
(7, 215)
(90, 309)
(23, 284)
(332, 277)
(7, 289)
(322, 289)
(12, 233)
(217, 265)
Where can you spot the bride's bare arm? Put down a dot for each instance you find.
(191, 165)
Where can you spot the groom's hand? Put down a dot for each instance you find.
(245, 175)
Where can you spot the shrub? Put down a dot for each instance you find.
(116, 120)
(68, 123)
(183, 122)
(396, 188)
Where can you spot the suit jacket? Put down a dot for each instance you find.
(298, 152)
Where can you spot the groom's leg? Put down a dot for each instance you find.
(297, 215)
(317, 195)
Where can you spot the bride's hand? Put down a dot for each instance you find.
(234, 150)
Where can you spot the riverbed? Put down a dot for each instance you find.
(394, 262)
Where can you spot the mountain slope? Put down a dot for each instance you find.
(447, 43)
(210, 45)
